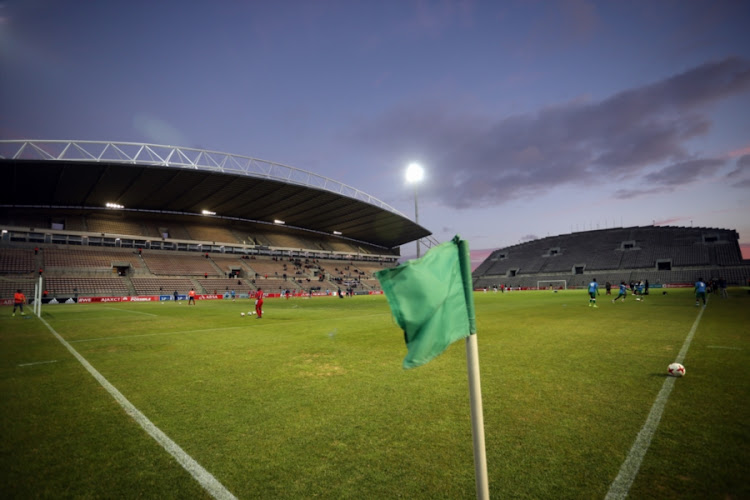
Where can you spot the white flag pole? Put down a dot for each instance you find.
(38, 298)
(477, 418)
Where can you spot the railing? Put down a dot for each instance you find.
(178, 157)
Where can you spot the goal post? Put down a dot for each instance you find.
(552, 285)
(37, 304)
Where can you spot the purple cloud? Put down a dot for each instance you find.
(684, 172)
(741, 174)
(478, 160)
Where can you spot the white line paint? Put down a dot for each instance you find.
(204, 478)
(620, 487)
(39, 363)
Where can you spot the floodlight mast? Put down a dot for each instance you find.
(414, 175)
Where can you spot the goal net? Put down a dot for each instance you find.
(552, 285)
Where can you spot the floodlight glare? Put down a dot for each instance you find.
(208, 212)
(337, 233)
(414, 173)
(114, 205)
(277, 221)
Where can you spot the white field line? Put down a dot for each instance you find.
(130, 311)
(620, 487)
(39, 363)
(204, 478)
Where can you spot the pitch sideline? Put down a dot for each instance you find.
(204, 478)
(620, 487)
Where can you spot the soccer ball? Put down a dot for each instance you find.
(242, 314)
(250, 313)
(676, 370)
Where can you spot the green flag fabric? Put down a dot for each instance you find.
(431, 300)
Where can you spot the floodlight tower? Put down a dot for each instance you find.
(414, 175)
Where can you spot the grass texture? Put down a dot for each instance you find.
(311, 401)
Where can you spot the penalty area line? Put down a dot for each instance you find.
(204, 478)
(39, 363)
(620, 487)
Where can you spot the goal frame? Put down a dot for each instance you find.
(552, 282)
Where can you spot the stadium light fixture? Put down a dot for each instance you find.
(114, 205)
(277, 221)
(337, 233)
(414, 175)
(208, 212)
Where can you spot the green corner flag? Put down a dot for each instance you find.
(432, 300)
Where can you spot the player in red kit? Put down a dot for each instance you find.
(259, 303)
(19, 299)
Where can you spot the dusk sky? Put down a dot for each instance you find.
(531, 118)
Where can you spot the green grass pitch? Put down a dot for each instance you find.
(311, 400)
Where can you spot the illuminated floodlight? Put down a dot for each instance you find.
(337, 233)
(5, 231)
(208, 212)
(277, 221)
(114, 205)
(414, 173)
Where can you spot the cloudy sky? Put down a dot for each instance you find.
(531, 118)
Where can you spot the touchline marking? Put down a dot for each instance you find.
(620, 487)
(204, 478)
(39, 363)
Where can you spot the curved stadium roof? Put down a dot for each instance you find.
(174, 180)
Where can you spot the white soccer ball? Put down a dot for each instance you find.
(251, 312)
(242, 314)
(676, 370)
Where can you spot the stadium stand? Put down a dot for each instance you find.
(17, 261)
(221, 285)
(168, 263)
(59, 286)
(8, 287)
(210, 233)
(114, 226)
(89, 259)
(662, 255)
(218, 259)
(163, 286)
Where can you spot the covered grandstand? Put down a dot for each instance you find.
(131, 219)
(663, 255)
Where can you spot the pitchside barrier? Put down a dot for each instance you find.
(166, 298)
